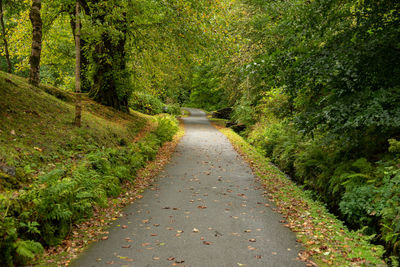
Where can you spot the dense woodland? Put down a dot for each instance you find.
(315, 85)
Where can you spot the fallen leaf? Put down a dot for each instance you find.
(252, 240)
(206, 243)
(195, 230)
(153, 234)
(127, 246)
(156, 258)
(201, 207)
(171, 258)
(124, 226)
(104, 238)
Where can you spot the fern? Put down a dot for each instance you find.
(28, 248)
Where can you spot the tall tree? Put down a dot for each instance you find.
(3, 33)
(34, 60)
(78, 105)
(110, 77)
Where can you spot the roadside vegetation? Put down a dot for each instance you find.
(314, 87)
(53, 174)
(326, 240)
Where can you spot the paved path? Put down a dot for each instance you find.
(205, 210)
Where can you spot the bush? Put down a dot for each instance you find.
(146, 103)
(365, 194)
(173, 109)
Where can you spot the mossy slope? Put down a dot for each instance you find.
(53, 174)
(36, 129)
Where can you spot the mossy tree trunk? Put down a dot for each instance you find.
(110, 75)
(3, 32)
(78, 104)
(34, 60)
(84, 61)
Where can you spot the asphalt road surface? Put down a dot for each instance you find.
(205, 209)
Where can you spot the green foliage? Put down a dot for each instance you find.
(344, 246)
(167, 127)
(317, 84)
(146, 103)
(46, 211)
(173, 109)
(394, 146)
(27, 249)
(205, 91)
(12, 249)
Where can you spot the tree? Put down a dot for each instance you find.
(3, 32)
(34, 60)
(78, 106)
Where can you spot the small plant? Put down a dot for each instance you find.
(146, 103)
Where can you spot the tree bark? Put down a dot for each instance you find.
(85, 82)
(110, 77)
(78, 104)
(3, 32)
(34, 60)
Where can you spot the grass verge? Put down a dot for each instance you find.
(326, 241)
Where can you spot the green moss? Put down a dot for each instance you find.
(37, 131)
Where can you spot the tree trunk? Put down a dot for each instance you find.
(84, 63)
(34, 60)
(111, 79)
(78, 105)
(3, 32)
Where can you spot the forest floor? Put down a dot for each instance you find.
(205, 209)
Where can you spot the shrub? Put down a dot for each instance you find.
(146, 103)
(173, 109)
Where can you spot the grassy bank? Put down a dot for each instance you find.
(54, 175)
(326, 241)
